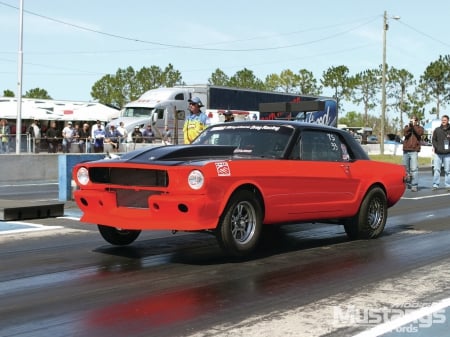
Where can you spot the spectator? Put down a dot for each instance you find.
(112, 137)
(411, 147)
(51, 136)
(35, 133)
(95, 128)
(148, 134)
(4, 136)
(441, 145)
(85, 139)
(136, 136)
(228, 116)
(67, 134)
(99, 138)
(76, 134)
(123, 132)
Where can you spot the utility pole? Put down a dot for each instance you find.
(383, 82)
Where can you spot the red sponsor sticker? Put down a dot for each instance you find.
(223, 169)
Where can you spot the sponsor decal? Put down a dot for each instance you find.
(223, 169)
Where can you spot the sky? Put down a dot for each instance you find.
(69, 45)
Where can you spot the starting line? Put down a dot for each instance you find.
(13, 227)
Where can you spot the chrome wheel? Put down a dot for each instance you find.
(243, 222)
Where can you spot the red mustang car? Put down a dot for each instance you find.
(236, 178)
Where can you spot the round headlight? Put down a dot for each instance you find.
(83, 176)
(196, 180)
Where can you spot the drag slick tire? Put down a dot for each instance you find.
(371, 218)
(240, 226)
(118, 237)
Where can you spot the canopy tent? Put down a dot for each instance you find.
(91, 112)
(8, 110)
(57, 110)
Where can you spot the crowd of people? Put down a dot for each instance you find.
(440, 140)
(93, 138)
(73, 137)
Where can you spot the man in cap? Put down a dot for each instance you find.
(67, 134)
(136, 135)
(228, 116)
(95, 127)
(112, 137)
(196, 122)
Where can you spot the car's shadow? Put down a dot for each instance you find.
(203, 248)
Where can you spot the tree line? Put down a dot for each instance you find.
(405, 95)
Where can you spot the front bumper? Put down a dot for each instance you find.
(164, 212)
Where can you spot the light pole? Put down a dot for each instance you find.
(19, 82)
(383, 80)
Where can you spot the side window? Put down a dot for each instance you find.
(160, 113)
(179, 97)
(295, 153)
(322, 146)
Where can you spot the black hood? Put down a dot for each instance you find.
(177, 153)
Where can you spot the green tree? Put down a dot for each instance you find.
(170, 77)
(218, 77)
(365, 87)
(285, 82)
(246, 79)
(272, 82)
(128, 85)
(399, 81)
(307, 83)
(8, 93)
(37, 93)
(415, 105)
(352, 118)
(434, 84)
(288, 81)
(337, 79)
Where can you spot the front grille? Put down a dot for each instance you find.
(133, 199)
(129, 176)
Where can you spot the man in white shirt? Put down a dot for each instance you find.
(35, 133)
(67, 134)
(123, 132)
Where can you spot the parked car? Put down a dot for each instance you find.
(238, 178)
(372, 139)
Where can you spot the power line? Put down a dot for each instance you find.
(424, 34)
(121, 37)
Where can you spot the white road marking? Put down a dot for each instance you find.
(408, 318)
(426, 196)
(69, 218)
(30, 227)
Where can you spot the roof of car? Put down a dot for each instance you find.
(295, 124)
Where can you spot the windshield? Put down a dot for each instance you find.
(249, 139)
(137, 112)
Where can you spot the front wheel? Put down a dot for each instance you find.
(240, 226)
(118, 237)
(371, 218)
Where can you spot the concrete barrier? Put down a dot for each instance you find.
(16, 168)
(66, 163)
(396, 150)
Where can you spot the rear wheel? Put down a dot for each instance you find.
(370, 221)
(118, 237)
(240, 226)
